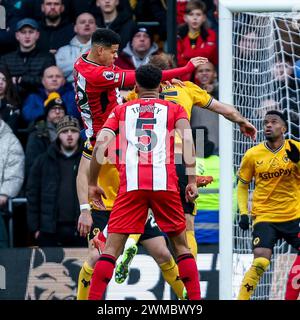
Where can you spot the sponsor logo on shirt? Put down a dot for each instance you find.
(108, 75)
(275, 174)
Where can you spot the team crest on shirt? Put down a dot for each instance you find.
(285, 158)
(256, 241)
(108, 75)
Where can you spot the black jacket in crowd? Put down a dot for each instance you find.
(42, 189)
(52, 38)
(30, 66)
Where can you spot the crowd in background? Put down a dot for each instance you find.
(38, 48)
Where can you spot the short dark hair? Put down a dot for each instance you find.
(105, 37)
(148, 76)
(279, 114)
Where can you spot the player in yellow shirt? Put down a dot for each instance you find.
(275, 167)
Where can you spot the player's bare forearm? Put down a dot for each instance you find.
(82, 180)
(227, 111)
(95, 165)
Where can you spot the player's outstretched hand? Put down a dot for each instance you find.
(244, 222)
(85, 222)
(248, 130)
(191, 192)
(197, 61)
(96, 194)
(293, 154)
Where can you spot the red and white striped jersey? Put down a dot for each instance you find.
(146, 132)
(97, 92)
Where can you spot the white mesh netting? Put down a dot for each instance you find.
(266, 75)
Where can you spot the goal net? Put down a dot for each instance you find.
(266, 75)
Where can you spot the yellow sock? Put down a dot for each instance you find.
(135, 237)
(192, 243)
(171, 275)
(84, 282)
(252, 277)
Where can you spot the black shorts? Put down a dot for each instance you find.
(100, 220)
(188, 207)
(266, 234)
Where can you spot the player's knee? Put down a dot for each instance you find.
(162, 255)
(261, 264)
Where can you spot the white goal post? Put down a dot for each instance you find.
(227, 9)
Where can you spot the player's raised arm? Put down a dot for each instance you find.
(167, 74)
(231, 113)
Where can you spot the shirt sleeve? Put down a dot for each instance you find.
(180, 113)
(112, 122)
(200, 97)
(113, 77)
(246, 171)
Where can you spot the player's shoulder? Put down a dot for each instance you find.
(255, 149)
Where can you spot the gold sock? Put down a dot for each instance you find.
(192, 243)
(84, 282)
(171, 275)
(252, 277)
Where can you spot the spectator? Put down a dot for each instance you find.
(108, 15)
(138, 50)
(27, 63)
(53, 206)
(153, 11)
(11, 171)
(9, 101)
(45, 129)
(206, 78)
(195, 39)
(56, 32)
(67, 55)
(53, 81)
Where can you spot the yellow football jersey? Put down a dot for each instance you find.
(276, 196)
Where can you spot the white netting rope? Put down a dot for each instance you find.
(266, 48)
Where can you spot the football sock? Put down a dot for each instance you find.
(192, 243)
(84, 281)
(171, 275)
(102, 274)
(189, 275)
(252, 277)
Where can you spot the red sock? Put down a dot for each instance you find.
(101, 276)
(293, 283)
(189, 275)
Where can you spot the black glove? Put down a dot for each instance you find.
(244, 222)
(293, 154)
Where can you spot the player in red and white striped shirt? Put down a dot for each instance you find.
(147, 178)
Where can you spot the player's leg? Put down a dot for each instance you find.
(100, 219)
(129, 215)
(104, 267)
(158, 249)
(188, 208)
(170, 218)
(155, 243)
(291, 233)
(265, 236)
(187, 265)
